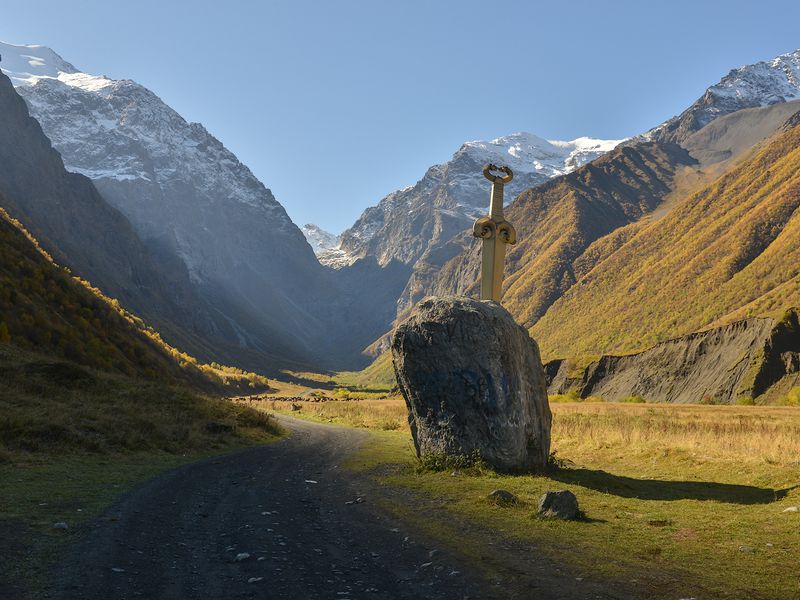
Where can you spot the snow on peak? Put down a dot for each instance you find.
(453, 194)
(760, 84)
(321, 241)
(765, 82)
(528, 153)
(26, 64)
(165, 174)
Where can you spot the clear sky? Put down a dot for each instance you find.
(335, 103)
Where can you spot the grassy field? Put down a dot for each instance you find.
(72, 439)
(686, 501)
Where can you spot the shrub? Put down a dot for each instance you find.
(745, 401)
(634, 400)
(440, 461)
(792, 398)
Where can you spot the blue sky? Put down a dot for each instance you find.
(333, 104)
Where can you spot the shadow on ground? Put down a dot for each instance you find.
(659, 489)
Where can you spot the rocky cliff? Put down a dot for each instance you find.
(754, 358)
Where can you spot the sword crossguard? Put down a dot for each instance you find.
(487, 172)
(487, 228)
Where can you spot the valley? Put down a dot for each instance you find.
(197, 396)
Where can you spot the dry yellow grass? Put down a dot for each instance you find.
(386, 415)
(586, 430)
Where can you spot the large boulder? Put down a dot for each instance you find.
(473, 381)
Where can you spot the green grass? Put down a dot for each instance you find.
(72, 439)
(379, 376)
(671, 494)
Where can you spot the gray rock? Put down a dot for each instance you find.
(473, 381)
(559, 505)
(242, 556)
(502, 497)
(791, 509)
(60, 525)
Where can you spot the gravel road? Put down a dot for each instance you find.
(277, 521)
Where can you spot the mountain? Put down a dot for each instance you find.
(763, 83)
(729, 250)
(321, 241)
(408, 222)
(77, 227)
(194, 205)
(423, 226)
(557, 222)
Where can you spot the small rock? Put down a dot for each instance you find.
(255, 579)
(792, 509)
(659, 522)
(60, 525)
(117, 570)
(746, 549)
(216, 427)
(425, 565)
(559, 505)
(432, 553)
(502, 497)
(242, 556)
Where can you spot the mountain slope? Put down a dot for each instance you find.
(731, 245)
(46, 309)
(739, 362)
(268, 300)
(65, 212)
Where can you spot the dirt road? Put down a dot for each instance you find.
(279, 521)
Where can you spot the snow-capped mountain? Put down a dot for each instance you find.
(170, 177)
(186, 195)
(407, 223)
(761, 84)
(321, 241)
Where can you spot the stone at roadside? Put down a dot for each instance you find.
(559, 505)
(502, 497)
(473, 382)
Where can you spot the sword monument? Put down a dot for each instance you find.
(496, 232)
